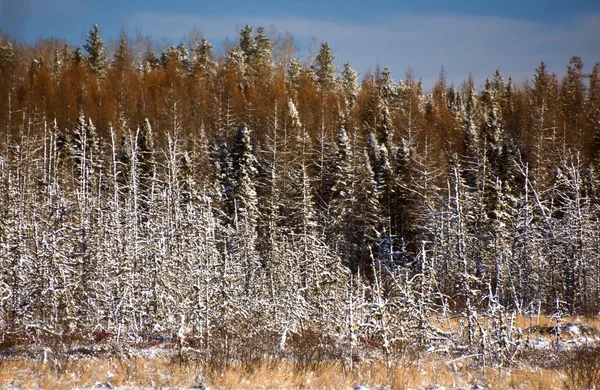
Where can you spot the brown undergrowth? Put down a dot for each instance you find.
(521, 321)
(166, 372)
(309, 361)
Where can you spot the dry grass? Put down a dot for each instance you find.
(583, 369)
(143, 372)
(536, 369)
(524, 322)
(520, 321)
(170, 373)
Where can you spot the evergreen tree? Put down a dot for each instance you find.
(293, 75)
(94, 46)
(324, 67)
(85, 151)
(176, 57)
(382, 176)
(123, 59)
(593, 105)
(202, 58)
(471, 141)
(367, 212)
(387, 89)
(492, 126)
(263, 52)
(544, 118)
(244, 172)
(385, 129)
(350, 85)
(246, 43)
(572, 96)
(342, 197)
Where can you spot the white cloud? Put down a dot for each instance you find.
(462, 43)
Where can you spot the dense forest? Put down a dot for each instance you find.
(248, 195)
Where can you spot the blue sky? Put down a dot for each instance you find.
(466, 36)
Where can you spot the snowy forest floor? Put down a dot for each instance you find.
(546, 360)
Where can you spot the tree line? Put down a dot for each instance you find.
(248, 192)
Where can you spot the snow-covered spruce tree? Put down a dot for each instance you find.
(367, 226)
(112, 240)
(150, 61)
(88, 176)
(287, 219)
(85, 149)
(350, 85)
(204, 88)
(454, 101)
(263, 52)
(143, 168)
(492, 126)
(202, 60)
(229, 272)
(544, 114)
(239, 59)
(322, 274)
(268, 179)
(575, 237)
(319, 273)
(128, 242)
(471, 142)
(526, 267)
(590, 237)
(385, 129)
(367, 213)
(27, 191)
(341, 192)
(242, 270)
(572, 97)
(418, 281)
(271, 244)
(14, 262)
(382, 176)
(302, 224)
(399, 305)
(293, 76)
(244, 191)
(391, 200)
(32, 265)
(387, 89)
(508, 187)
(196, 256)
(403, 199)
(355, 316)
(246, 42)
(544, 262)
(138, 167)
(176, 57)
(205, 259)
(411, 109)
(94, 46)
(324, 67)
(168, 263)
(49, 235)
(492, 132)
(464, 259)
